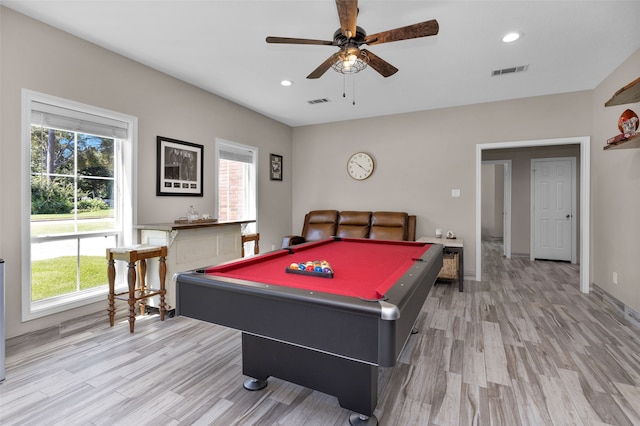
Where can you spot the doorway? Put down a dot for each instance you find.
(584, 190)
(500, 205)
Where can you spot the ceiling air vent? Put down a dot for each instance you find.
(510, 70)
(319, 101)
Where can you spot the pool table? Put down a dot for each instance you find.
(327, 334)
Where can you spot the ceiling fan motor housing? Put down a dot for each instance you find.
(341, 40)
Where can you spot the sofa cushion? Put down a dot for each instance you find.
(388, 226)
(320, 224)
(352, 224)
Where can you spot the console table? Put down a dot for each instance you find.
(190, 246)
(451, 245)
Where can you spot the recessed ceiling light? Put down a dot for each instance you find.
(511, 37)
(286, 83)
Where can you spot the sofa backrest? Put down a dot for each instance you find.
(353, 224)
(389, 226)
(320, 224)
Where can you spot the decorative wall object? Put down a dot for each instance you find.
(276, 167)
(179, 170)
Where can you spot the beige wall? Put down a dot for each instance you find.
(40, 58)
(615, 194)
(420, 157)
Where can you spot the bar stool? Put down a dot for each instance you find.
(135, 255)
(251, 237)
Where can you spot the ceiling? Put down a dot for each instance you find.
(219, 46)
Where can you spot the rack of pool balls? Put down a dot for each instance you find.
(316, 268)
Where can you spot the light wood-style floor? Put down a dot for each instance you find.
(522, 347)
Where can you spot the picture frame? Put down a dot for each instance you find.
(179, 168)
(275, 172)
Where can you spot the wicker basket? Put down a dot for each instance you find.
(449, 269)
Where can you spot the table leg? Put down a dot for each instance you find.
(131, 280)
(460, 270)
(354, 383)
(142, 271)
(163, 291)
(111, 274)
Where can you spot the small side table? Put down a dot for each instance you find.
(451, 245)
(135, 255)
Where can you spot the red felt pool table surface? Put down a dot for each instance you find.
(362, 268)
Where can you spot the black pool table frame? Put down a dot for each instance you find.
(327, 342)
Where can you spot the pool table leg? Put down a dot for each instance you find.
(355, 384)
(254, 384)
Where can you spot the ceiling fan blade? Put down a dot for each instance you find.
(422, 29)
(377, 63)
(289, 40)
(348, 13)
(317, 73)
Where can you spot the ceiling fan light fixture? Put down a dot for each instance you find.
(350, 61)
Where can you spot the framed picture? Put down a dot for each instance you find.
(179, 168)
(276, 167)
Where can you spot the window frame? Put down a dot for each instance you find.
(126, 159)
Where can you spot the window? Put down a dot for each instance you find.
(237, 172)
(77, 188)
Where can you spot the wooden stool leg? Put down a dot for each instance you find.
(163, 275)
(142, 271)
(256, 246)
(111, 273)
(131, 280)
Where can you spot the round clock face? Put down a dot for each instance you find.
(360, 166)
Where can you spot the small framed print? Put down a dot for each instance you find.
(276, 167)
(179, 170)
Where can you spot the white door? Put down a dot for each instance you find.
(553, 205)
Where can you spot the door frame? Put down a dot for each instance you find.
(506, 220)
(574, 235)
(585, 202)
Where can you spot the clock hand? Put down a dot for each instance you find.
(360, 165)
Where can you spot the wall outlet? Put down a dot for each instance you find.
(273, 247)
(614, 279)
(455, 193)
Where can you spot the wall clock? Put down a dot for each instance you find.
(360, 166)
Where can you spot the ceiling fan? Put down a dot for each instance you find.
(349, 37)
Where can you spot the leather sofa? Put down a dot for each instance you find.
(322, 224)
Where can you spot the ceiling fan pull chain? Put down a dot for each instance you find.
(354, 91)
(344, 85)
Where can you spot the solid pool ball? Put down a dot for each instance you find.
(317, 268)
(309, 268)
(294, 266)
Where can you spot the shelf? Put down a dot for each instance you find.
(627, 95)
(632, 142)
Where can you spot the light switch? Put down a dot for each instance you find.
(455, 192)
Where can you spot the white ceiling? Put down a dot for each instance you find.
(219, 46)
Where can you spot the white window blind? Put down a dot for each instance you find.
(232, 153)
(61, 118)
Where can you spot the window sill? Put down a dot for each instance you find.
(54, 305)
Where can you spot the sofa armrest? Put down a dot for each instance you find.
(292, 240)
(411, 230)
